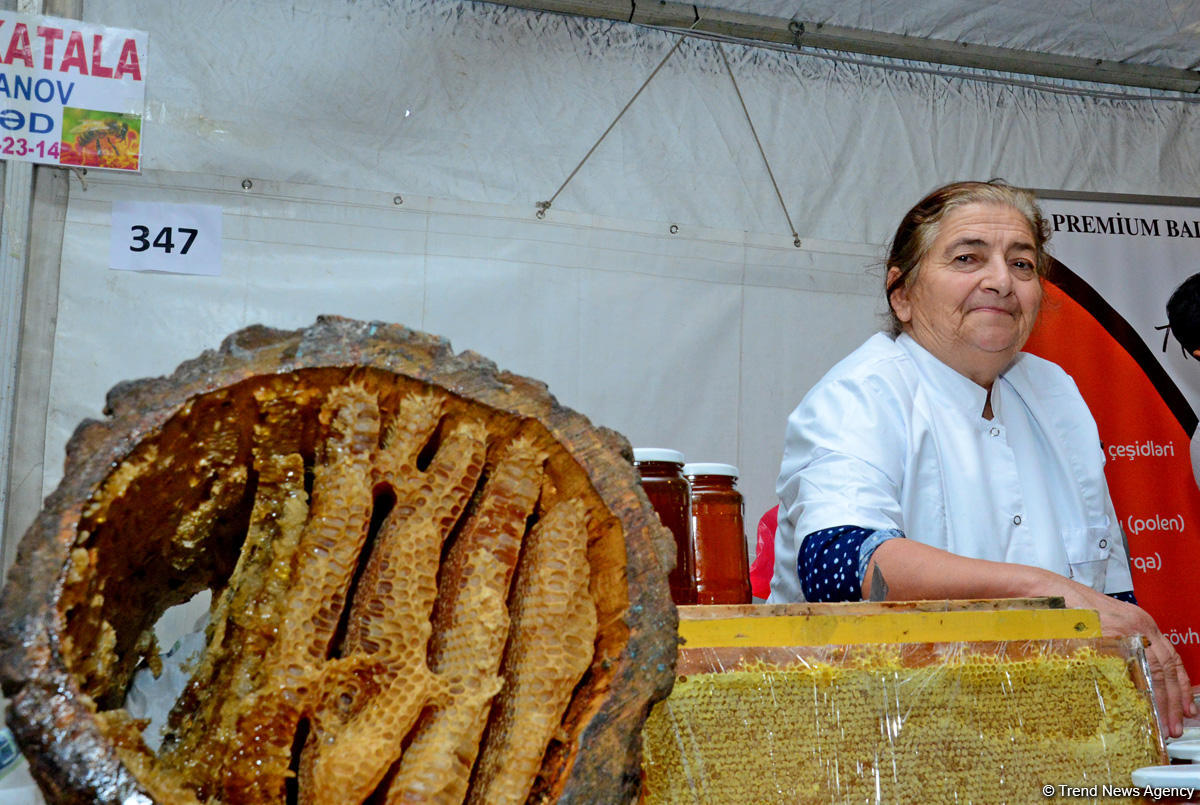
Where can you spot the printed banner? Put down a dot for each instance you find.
(71, 93)
(1116, 266)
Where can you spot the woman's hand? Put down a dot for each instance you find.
(1172, 689)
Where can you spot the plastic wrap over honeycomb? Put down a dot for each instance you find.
(949, 722)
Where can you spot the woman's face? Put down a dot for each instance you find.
(976, 294)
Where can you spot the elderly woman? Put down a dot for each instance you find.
(946, 463)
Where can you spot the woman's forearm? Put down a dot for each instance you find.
(913, 570)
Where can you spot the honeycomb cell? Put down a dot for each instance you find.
(550, 646)
(357, 735)
(470, 625)
(311, 607)
(243, 627)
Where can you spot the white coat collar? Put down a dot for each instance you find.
(948, 386)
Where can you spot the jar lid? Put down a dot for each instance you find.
(657, 454)
(710, 469)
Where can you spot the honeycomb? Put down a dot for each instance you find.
(386, 525)
(877, 726)
(471, 621)
(429, 582)
(540, 670)
(402, 582)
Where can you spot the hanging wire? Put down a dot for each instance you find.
(542, 206)
(770, 173)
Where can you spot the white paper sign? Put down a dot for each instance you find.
(71, 93)
(179, 238)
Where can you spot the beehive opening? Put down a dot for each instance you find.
(182, 620)
(366, 538)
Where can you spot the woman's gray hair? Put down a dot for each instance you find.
(919, 228)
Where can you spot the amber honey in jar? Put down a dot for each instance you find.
(662, 479)
(722, 567)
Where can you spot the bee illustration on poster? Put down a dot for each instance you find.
(100, 139)
(1116, 266)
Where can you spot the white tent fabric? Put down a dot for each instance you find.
(702, 338)
(486, 103)
(1157, 32)
(669, 339)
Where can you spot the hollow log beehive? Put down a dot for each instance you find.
(430, 583)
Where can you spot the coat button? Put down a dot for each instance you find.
(1016, 519)
(1103, 543)
(994, 431)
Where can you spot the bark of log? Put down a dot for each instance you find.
(104, 559)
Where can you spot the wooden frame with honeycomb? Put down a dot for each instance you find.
(987, 721)
(370, 511)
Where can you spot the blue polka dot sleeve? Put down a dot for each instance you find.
(1128, 597)
(834, 560)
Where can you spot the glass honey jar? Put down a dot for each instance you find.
(722, 567)
(661, 471)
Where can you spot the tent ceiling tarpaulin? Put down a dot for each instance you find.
(1128, 42)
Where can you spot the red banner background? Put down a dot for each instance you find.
(1148, 465)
